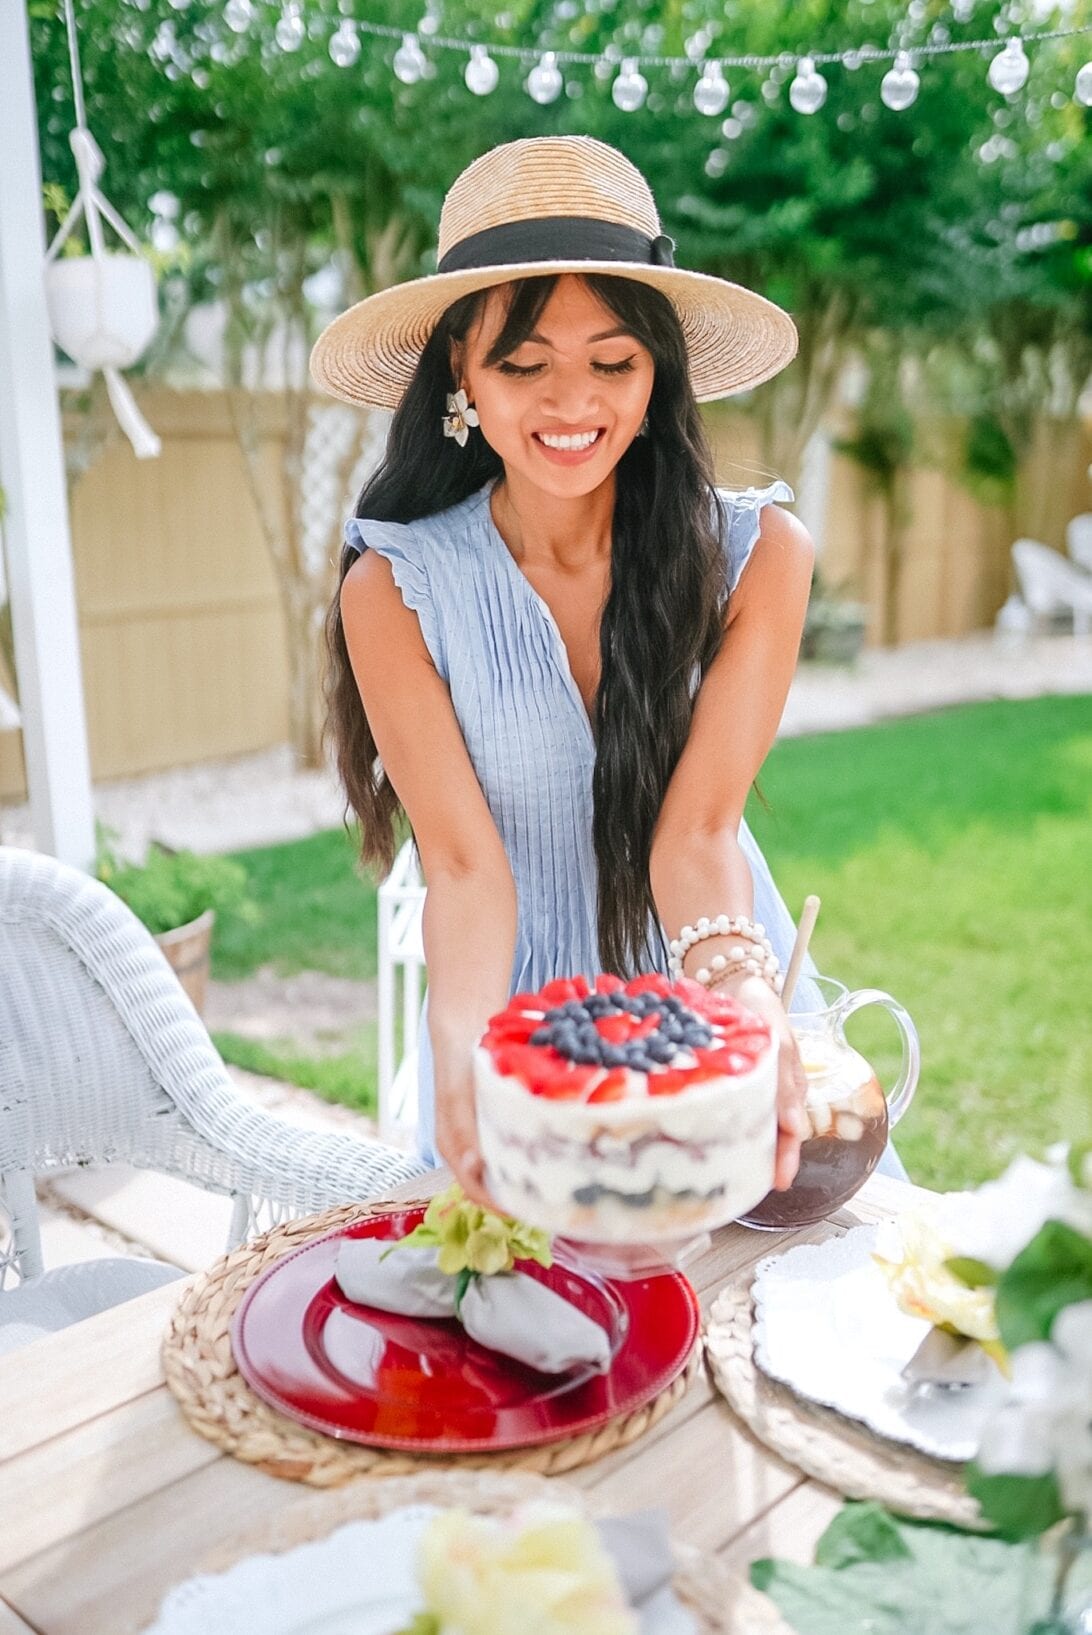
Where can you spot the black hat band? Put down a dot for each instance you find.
(557, 238)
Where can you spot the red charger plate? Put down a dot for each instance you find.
(421, 1384)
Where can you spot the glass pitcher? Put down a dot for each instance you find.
(849, 1114)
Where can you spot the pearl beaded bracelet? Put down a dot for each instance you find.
(753, 955)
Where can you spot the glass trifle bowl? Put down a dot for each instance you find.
(849, 1114)
(626, 1113)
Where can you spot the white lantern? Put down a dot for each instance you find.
(102, 311)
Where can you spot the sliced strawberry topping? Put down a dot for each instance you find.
(562, 989)
(615, 1029)
(608, 984)
(612, 1087)
(652, 983)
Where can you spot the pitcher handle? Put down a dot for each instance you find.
(902, 1094)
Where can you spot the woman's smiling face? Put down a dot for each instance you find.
(562, 407)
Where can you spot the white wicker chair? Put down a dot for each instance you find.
(104, 1060)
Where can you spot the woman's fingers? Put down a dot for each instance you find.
(457, 1140)
(792, 1121)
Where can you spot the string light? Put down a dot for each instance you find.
(345, 44)
(1083, 88)
(1008, 71)
(482, 72)
(409, 60)
(630, 87)
(545, 81)
(545, 77)
(291, 29)
(900, 84)
(808, 91)
(712, 91)
(238, 15)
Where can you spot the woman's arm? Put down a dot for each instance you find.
(697, 865)
(470, 909)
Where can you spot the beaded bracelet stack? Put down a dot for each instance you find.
(752, 955)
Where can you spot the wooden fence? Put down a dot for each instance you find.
(180, 618)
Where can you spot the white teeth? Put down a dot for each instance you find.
(582, 440)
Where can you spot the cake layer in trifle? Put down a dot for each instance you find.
(624, 1112)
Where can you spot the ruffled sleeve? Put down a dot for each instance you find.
(741, 519)
(407, 554)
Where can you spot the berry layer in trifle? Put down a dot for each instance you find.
(626, 1112)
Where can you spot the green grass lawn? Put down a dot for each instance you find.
(952, 855)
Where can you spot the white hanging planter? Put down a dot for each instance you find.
(102, 306)
(103, 310)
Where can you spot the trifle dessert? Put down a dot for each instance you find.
(627, 1111)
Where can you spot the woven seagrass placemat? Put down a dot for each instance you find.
(822, 1443)
(219, 1405)
(720, 1601)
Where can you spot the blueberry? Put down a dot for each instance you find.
(613, 1056)
(542, 1036)
(638, 1059)
(672, 1030)
(629, 1003)
(555, 1014)
(586, 1055)
(661, 1050)
(574, 1008)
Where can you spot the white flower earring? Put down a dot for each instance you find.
(459, 417)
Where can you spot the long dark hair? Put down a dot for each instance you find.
(664, 617)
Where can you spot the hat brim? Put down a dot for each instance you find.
(736, 338)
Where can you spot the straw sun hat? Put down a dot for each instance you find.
(551, 204)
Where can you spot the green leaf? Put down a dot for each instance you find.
(462, 1283)
(860, 1532)
(1079, 1160)
(424, 1623)
(1055, 1270)
(1017, 1507)
(974, 1273)
(937, 1581)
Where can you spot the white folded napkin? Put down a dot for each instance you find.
(508, 1312)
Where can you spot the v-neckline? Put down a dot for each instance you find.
(561, 652)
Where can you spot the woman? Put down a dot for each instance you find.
(555, 644)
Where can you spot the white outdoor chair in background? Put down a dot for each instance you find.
(1078, 540)
(104, 1060)
(401, 904)
(1050, 584)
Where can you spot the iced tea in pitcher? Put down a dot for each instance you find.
(847, 1110)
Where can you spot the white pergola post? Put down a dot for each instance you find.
(39, 550)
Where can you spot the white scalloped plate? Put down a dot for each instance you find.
(359, 1580)
(826, 1325)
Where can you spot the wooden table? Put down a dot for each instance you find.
(107, 1498)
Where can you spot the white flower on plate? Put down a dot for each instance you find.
(1046, 1425)
(459, 417)
(911, 1252)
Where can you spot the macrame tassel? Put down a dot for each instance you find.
(146, 445)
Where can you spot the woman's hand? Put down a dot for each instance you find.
(457, 1132)
(757, 995)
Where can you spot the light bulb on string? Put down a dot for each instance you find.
(290, 30)
(409, 60)
(238, 15)
(900, 85)
(630, 87)
(482, 72)
(544, 82)
(1008, 71)
(1082, 90)
(345, 44)
(808, 91)
(712, 91)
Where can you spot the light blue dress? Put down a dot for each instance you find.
(497, 646)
